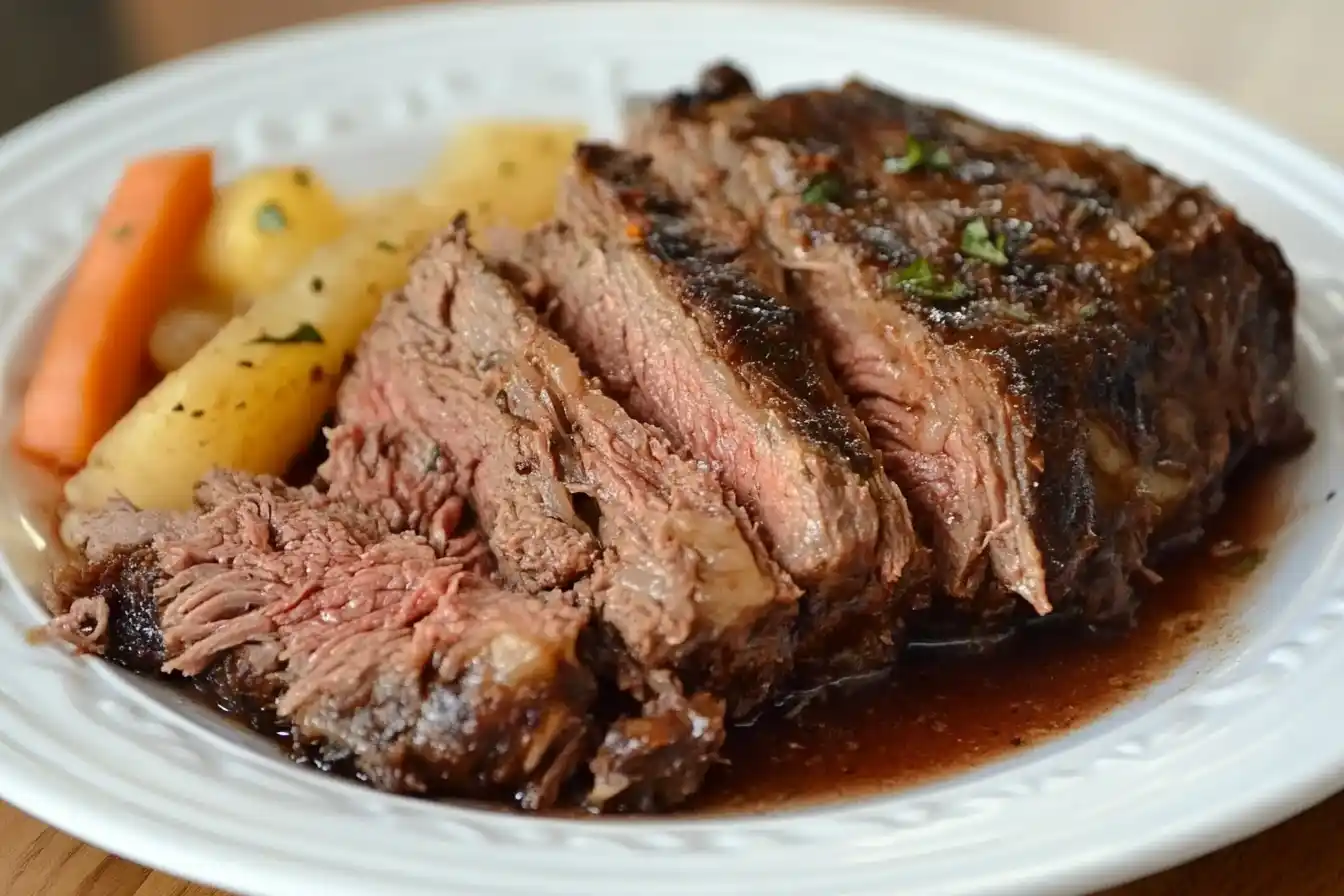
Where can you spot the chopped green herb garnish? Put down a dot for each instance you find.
(302, 178)
(919, 279)
(385, 246)
(1088, 311)
(304, 332)
(1016, 312)
(917, 154)
(976, 242)
(822, 189)
(271, 218)
(123, 233)
(433, 463)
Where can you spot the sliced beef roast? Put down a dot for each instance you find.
(411, 373)
(690, 339)
(683, 579)
(379, 651)
(1060, 352)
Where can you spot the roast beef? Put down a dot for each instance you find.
(594, 499)
(682, 582)
(689, 338)
(377, 651)
(412, 373)
(1060, 352)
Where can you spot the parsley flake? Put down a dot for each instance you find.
(918, 154)
(271, 218)
(976, 242)
(304, 332)
(434, 454)
(385, 246)
(123, 233)
(919, 279)
(822, 189)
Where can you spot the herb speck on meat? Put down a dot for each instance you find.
(822, 189)
(976, 242)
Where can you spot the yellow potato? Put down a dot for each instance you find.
(263, 227)
(504, 173)
(253, 397)
(376, 205)
(180, 333)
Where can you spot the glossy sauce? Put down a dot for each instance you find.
(939, 715)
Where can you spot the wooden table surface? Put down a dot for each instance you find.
(1273, 58)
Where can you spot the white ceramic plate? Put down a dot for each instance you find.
(1238, 738)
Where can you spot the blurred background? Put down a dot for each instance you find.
(1272, 58)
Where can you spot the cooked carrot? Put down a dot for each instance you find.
(89, 374)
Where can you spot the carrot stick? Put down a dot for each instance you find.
(90, 371)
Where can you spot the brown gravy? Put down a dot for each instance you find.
(940, 715)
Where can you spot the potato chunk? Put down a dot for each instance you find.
(264, 226)
(252, 398)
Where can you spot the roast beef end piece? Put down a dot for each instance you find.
(394, 661)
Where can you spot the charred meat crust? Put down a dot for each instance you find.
(753, 331)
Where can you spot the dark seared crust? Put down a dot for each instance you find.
(750, 328)
(1134, 310)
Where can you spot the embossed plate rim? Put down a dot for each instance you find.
(1099, 806)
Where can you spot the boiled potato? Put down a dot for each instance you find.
(253, 397)
(180, 333)
(504, 173)
(376, 205)
(264, 226)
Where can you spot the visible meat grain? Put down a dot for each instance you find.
(691, 340)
